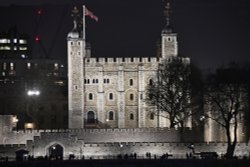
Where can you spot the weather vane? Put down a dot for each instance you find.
(75, 12)
(167, 11)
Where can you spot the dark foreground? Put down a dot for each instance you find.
(131, 163)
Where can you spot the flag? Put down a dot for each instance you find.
(90, 14)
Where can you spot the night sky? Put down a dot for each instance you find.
(211, 32)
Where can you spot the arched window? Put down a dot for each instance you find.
(150, 82)
(88, 81)
(152, 116)
(111, 115)
(131, 116)
(131, 96)
(131, 82)
(90, 96)
(111, 96)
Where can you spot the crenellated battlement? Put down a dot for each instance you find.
(119, 60)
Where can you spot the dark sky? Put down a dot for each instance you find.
(211, 32)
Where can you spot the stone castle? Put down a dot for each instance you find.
(108, 114)
(111, 91)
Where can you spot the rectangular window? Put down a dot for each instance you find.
(28, 65)
(4, 66)
(11, 66)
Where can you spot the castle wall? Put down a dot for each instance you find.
(113, 149)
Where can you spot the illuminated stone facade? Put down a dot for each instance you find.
(110, 92)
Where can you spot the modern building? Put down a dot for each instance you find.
(14, 45)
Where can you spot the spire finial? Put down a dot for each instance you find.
(75, 12)
(167, 12)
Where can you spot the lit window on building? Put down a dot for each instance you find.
(23, 48)
(23, 56)
(15, 48)
(28, 65)
(3, 74)
(111, 115)
(4, 41)
(11, 66)
(56, 66)
(15, 40)
(22, 41)
(5, 48)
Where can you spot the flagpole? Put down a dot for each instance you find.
(83, 23)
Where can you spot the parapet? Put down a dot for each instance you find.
(120, 60)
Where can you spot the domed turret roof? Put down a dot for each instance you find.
(74, 32)
(167, 29)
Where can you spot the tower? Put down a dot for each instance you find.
(169, 45)
(76, 54)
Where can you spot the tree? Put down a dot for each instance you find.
(170, 92)
(226, 98)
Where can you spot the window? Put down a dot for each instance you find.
(106, 81)
(90, 96)
(131, 82)
(78, 43)
(152, 116)
(4, 66)
(131, 116)
(56, 66)
(75, 87)
(11, 66)
(111, 96)
(71, 43)
(96, 80)
(131, 96)
(150, 82)
(93, 80)
(111, 115)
